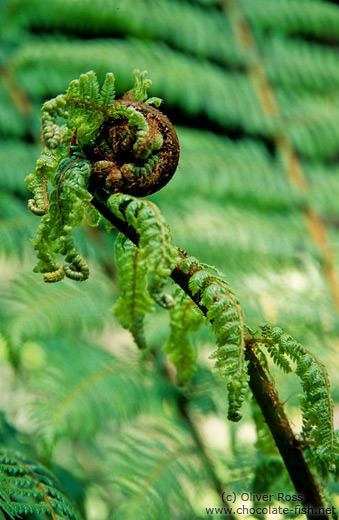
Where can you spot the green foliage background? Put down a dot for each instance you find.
(255, 194)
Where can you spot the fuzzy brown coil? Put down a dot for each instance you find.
(119, 168)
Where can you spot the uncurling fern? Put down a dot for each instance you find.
(134, 299)
(119, 150)
(159, 257)
(111, 152)
(316, 403)
(226, 316)
(122, 146)
(125, 147)
(27, 488)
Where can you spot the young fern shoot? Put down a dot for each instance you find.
(107, 154)
(119, 146)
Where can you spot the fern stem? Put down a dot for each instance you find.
(260, 384)
(289, 447)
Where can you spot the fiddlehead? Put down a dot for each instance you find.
(137, 153)
(120, 146)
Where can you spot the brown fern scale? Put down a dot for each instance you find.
(118, 168)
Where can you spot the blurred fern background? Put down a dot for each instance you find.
(253, 90)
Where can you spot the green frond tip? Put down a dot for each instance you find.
(226, 316)
(87, 106)
(186, 319)
(60, 181)
(64, 210)
(316, 403)
(27, 488)
(84, 107)
(107, 94)
(134, 300)
(141, 85)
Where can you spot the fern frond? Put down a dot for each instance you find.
(226, 316)
(5, 500)
(306, 17)
(37, 181)
(219, 86)
(317, 409)
(289, 63)
(94, 390)
(279, 358)
(34, 311)
(85, 104)
(309, 120)
(16, 226)
(65, 211)
(269, 242)
(184, 26)
(134, 300)
(63, 166)
(242, 112)
(219, 169)
(107, 93)
(168, 463)
(323, 197)
(316, 403)
(31, 489)
(157, 251)
(185, 320)
(67, 163)
(52, 133)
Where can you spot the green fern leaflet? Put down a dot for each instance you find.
(27, 488)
